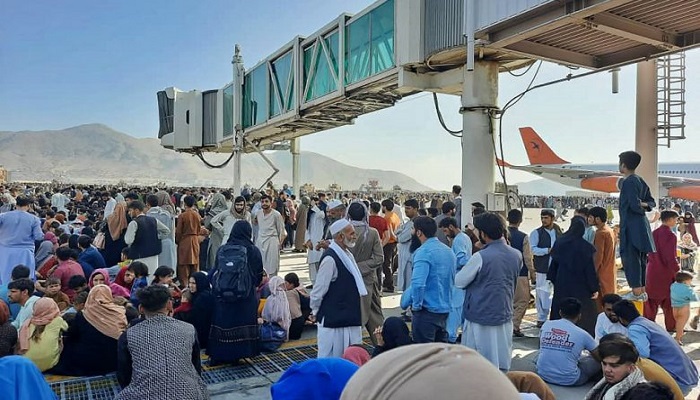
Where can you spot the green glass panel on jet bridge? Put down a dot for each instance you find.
(282, 97)
(228, 111)
(255, 96)
(369, 44)
(320, 75)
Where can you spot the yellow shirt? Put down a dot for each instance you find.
(46, 352)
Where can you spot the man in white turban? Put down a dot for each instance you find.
(337, 292)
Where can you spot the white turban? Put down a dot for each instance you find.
(338, 226)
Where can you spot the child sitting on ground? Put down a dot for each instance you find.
(299, 306)
(53, 291)
(164, 276)
(183, 310)
(681, 296)
(78, 305)
(140, 271)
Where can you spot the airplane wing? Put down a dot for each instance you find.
(608, 181)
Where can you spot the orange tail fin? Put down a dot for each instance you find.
(538, 151)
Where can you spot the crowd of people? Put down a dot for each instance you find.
(97, 280)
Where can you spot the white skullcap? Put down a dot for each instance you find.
(339, 225)
(335, 203)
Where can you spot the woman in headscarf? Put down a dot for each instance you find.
(300, 233)
(403, 374)
(90, 344)
(202, 307)
(40, 335)
(101, 277)
(689, 220)
(8, 333)
(21, 380)
(46, 249)
(394, 333)
(356, 354)
(165, 202)
(114, 231)
(276, 307)
(572, 271)
(168, 253)
(222, 223)
(234, 334)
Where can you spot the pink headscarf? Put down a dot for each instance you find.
(51, 237)
(45, 311)
(117, 290)
(356, 355)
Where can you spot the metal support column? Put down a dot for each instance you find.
(296, 166)
(238, 78)
(479, 94)
(646, 142)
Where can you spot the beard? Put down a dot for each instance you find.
(415, 243)
(349, 244)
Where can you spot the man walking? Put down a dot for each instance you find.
(18, 232)
(489, 278)
(369, 257)
(462, 249)
(271, 235)
(189, 225)
(316, 221)
(336, 296)
(430, 293)
(542, 240)
(521, 242)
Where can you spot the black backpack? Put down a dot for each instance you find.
(231, 279)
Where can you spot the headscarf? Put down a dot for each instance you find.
(236, 214)
(165, 202)
(356, 355)
(21, 379)
(119, 280)
(690, 226)
(277, 305)
(117, 290)
(60, 218)
(217, 204)
(45, 311)
(395, 333)
(51, 238)
(202, 284)
(116, 222)
(4, 313)
(101, 312)
(43, 253)
(315, 379)
(241, 234)
(402, 374)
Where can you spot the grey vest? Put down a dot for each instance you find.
(545, 241)
(489, 298)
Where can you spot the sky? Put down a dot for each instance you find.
(64, 64)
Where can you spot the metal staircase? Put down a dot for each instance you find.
(670, 79)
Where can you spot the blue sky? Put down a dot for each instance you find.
(68, 63)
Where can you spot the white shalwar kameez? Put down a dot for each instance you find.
(405, 271)
(270, 234)
(332, 342)
(314, 233)
(495, 343)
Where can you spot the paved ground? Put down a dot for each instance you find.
(524, 351)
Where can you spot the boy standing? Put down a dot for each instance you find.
(635, 234)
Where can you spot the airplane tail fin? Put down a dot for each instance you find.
(538, 152)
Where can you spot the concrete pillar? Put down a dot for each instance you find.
(646, 142)
(480, 92)
(238, 143)
(295, 148)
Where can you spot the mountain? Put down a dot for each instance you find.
(95, 153)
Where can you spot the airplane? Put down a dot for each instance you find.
(679, 180)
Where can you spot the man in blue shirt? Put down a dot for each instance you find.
(561, 343)
(431, 282)
(18, 272)
(462, 248)
(654, 343)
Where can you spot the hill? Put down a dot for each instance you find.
(95, 153)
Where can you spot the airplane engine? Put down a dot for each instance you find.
(607, 184)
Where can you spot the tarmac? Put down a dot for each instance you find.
(524, 349)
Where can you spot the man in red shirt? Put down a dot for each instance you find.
(379, 223)
(661, 270)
